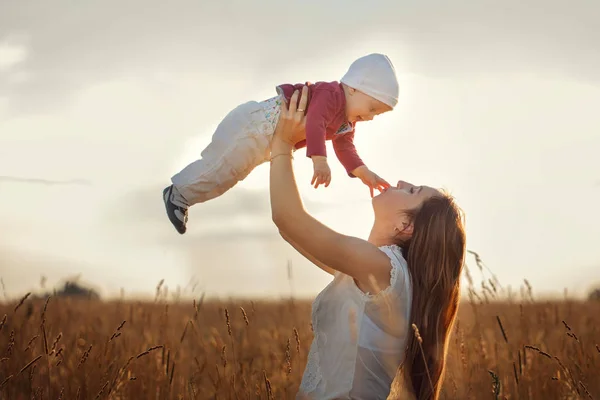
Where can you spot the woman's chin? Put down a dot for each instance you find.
(384, 191)
(377, 196)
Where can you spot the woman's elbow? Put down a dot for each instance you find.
(283, 221)
(284, 236)
(279, 219)
(281, 230)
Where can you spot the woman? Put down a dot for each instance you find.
(406, 273)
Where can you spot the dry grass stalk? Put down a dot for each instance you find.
(268, 386)
(29, 364)
(495, 384)
(22, 301)
(245, 316)
(297, 337)
(184, 331)
(228, 322)
(229, 333)
(158, 289)
(224, 357)
(101, 390)
(11, 343)
(502, 328)
(539, 351)
(420, 340)
(172, 374)
(84, 357)
(585, 390)
(148, 351)
(31, 341)
(43, 328)
(288, 358)
(3, 322)
(4, 382)
(55, 343)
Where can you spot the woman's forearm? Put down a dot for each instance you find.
(286, 204)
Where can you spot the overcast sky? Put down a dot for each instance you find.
(101, 102)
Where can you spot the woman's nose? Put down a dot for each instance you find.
(403, 184)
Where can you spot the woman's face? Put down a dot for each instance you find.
(402, 197)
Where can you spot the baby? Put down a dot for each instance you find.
(242, 140)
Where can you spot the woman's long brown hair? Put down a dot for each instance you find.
(435, 255)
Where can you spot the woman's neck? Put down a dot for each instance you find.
(379, 236)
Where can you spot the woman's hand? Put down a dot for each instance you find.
(291, 126)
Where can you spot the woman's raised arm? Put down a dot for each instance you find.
(350, 255)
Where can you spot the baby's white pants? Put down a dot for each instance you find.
(241, 142)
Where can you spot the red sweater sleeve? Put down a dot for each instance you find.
(321, 111)
(346, 152)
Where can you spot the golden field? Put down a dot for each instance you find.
(65, 348)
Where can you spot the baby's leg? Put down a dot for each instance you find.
(240, 143)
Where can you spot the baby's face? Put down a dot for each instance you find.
(362, 107)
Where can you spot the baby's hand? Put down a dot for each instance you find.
(371, 179)
(322, 174)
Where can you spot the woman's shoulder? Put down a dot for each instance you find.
(399, 275)
(394, 252)
(399, 280)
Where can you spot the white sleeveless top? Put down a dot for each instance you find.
(359, 339)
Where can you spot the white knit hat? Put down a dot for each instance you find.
(375, 76)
